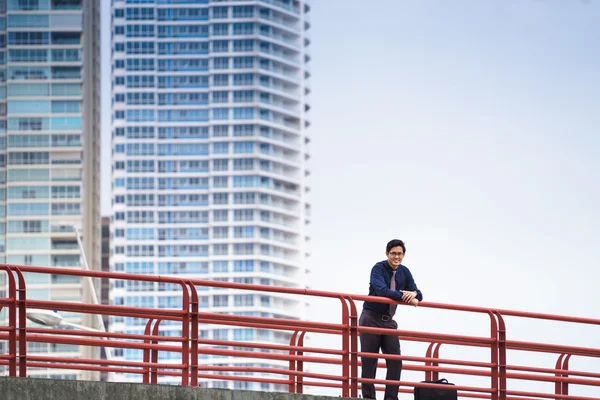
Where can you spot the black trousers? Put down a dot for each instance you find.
(372, 343)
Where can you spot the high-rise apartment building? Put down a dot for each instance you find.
(209, 153)
(50, 149)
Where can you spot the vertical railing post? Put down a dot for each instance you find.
(147, 332)
(194, 336)
(559, 365)
(345, 349)
(22, 306)
(12, 322)
(353, 347)
(435, 375)
(565, 367)
(185, 333)
(494, 354)
(501, 356)
(300, 365)
(292, 364)
(154, 353)
(428, 362)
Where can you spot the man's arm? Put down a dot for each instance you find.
(380, 286)
(411, 291)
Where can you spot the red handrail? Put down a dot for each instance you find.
(289, 360)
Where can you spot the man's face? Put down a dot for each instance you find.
(395, 256)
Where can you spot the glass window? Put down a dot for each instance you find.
(243, 113)
(28, 107)
(221, 62)
(62, 107)
(221, 80)
(28, 5)
(220, 266)
(220, 130)
(220, 46)
(220, 97)
(28, 20)
(66, 89)
(221, 113)
(66, 123)
(25, 209)
(220, 12)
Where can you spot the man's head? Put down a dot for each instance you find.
(394, 251)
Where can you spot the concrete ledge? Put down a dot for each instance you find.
(54, 389)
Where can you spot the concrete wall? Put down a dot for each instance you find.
(49, 389)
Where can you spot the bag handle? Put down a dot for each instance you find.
(444, 380)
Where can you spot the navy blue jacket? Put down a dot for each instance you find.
(381, 276)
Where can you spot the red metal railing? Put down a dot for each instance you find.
(293, 356)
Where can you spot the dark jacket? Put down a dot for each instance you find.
(381, 277)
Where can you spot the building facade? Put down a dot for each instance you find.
(209, 157)
(50, 149)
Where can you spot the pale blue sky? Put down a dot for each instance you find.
(467, 128)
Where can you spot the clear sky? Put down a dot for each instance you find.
(468, 129)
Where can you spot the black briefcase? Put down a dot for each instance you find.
(425, 393)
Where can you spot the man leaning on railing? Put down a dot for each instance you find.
(391, 279)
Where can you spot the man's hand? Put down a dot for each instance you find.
(408, 297)
(414, 302)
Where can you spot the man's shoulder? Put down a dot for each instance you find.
(404, 268)
(380, 264)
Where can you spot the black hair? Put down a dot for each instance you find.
(395, 243)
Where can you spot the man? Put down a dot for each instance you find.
(391, 279)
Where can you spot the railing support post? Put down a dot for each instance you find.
(194, 336)
(22, 306)
(353, 320)
(435, 375)
(428, 363)
(185, 333)
(146, 374)
(292, 364)
(12, 321)
(565, 367)
(300, 365)
(154, 354)
(345, 348)
(501, 355)
(494, 354)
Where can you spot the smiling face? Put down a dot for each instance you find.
(395, 256)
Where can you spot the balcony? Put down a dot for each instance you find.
(282, 5)
(281, 104)
(281, 71)
(291, 25)
(283, 39)
(63, 5)
(281, 54)
(64, 245)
